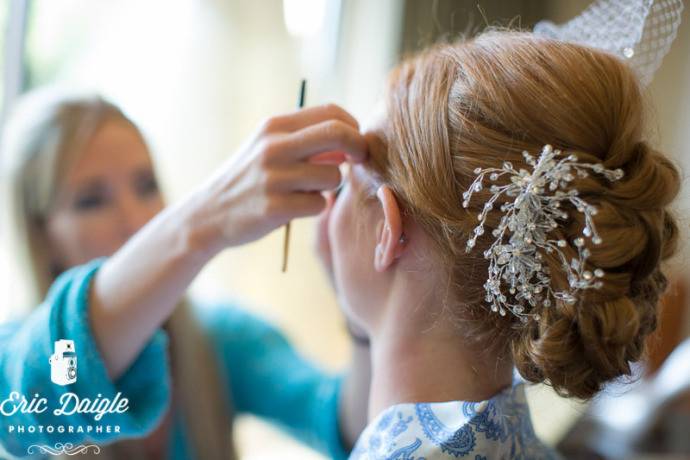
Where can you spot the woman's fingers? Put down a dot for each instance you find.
(304, 177)
(297, 204)
(302, 118)
(280, 174)
(312, 132)
(334, 158)
(327, 136)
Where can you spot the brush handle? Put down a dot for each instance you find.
(286, 239)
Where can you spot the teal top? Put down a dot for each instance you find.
(268, 378)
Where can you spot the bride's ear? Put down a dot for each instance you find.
(390, 239)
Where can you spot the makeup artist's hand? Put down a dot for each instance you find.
(276, 176)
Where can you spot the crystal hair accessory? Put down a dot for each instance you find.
(527, 230)
(638, 31)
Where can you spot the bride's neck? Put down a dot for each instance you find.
(417, 362)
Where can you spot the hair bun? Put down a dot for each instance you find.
(576, 351)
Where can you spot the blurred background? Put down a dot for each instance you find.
(198, 75)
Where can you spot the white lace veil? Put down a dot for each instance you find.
(639, 31)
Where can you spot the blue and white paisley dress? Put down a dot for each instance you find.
(498, 428)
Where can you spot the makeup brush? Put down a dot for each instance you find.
(286, 240)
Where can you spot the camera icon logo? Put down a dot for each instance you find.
(63, 363)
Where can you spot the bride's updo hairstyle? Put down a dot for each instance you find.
(478, 103)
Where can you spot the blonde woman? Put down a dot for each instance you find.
(450, 315)
(112, 265)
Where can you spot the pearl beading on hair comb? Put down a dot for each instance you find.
(526, 230)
